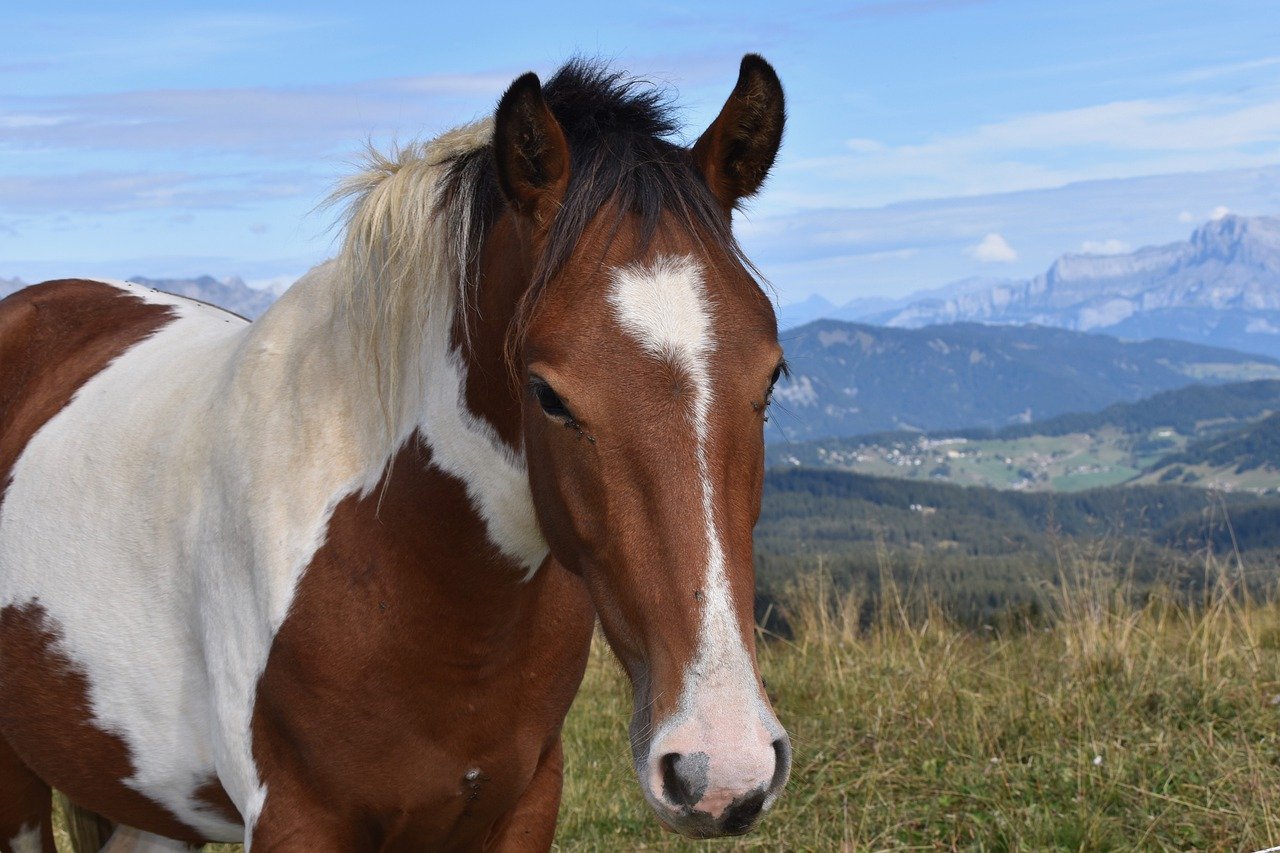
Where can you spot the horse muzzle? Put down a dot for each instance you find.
(707, 782)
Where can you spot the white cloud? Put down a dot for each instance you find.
(993, 249)
(1105, 247)
(1186, 216)
(1219, 212)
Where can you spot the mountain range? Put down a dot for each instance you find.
(1220, 287)
(850, 378)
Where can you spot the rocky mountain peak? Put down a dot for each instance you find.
(1239, 239)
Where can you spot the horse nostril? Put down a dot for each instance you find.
(781, 763)
(672, 785)
(684, 778)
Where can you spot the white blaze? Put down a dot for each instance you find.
(664, 306)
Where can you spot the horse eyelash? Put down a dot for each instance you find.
(782, 371)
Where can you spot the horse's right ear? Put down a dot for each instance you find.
(530, 150)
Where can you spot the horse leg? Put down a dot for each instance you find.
(126, 839)
(531, 825)
(26, 807)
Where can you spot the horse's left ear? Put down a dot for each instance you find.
(738, 149)
(530, 150)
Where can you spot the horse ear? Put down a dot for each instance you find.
(530, 150)
(738, 149)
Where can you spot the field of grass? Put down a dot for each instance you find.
(1119, 727)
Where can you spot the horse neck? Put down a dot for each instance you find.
(451, 420)
(464, 412)
(482, 330)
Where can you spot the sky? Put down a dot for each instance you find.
(927, 141)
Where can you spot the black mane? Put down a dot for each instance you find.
(619, 133)
(590, 101)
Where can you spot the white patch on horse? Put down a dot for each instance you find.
(665, 307)
(165, 516)
(27, 840)
(405, 262)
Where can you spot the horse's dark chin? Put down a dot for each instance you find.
(700, 825)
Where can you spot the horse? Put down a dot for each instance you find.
(328, 581)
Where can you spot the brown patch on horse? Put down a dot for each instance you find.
(55, 337)
(213, 795)
(47, 718)
(412, 646)
(24, 801)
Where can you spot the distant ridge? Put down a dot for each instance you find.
(1220, 287)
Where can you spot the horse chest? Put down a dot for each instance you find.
(421, 710)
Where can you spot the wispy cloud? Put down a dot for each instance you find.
(848, 251)
(143, 42)
(1038, 150)
(265, 121)
(1209, 72)
(113, 192)
(902, 8)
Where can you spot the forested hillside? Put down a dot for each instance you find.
(987, 552)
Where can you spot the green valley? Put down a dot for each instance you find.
(1222, 437)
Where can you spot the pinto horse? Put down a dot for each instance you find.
(328, 581)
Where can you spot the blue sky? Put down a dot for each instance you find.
(930, 140)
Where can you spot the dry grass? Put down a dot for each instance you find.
(1121, 727)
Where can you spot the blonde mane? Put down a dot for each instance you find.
(405, 257)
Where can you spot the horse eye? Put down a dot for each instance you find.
(550, 401)
(778, 372)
